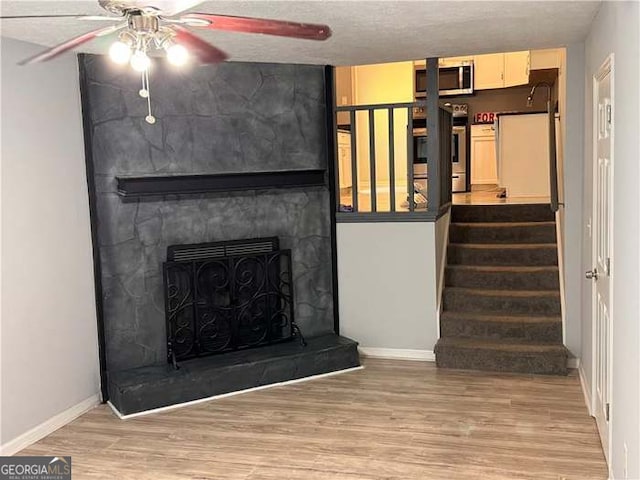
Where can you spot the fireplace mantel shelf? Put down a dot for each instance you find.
(155, 185)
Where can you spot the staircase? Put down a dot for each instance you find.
(501, 301)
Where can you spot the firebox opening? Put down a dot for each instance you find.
(225, 296)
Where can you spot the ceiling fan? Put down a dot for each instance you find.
(145, 28)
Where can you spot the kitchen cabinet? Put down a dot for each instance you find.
(546, 58)
(443, 62)
(500, 70)
(484, 167)
(344, 92)
(488, 71)
(344, 159)
(516, 68)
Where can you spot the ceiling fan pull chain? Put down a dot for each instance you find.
(145, 87)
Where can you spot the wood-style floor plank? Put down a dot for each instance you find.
(393, 420)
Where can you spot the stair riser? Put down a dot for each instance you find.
(489, 360)
(543, 280)
(543, 332)
(461, 255)
(501, 213)
(519, 234)
(531, 305)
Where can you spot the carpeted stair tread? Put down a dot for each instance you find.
(501, 302)
(515, 328)
(502, 232)
(505, 246)
(485, 317)
(502, 213)
(505, 293)
(513, 277)
(502, 224)
(501, 356)
(502, 254)
(507, 345)
(501, 308)
(505, 268)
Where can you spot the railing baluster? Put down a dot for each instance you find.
(354, 162)
(433, 138)
(393, 192)
(372, 160)
(392, 167)
(553, 161)
(410, 195)
(337, 173)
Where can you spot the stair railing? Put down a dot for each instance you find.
(553, 160)
(371, 127)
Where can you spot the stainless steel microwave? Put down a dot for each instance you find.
(454, 79)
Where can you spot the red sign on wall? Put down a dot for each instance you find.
(484, 117)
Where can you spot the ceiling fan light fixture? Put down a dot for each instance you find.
(120, 53)
(140, 62)
(177, 55)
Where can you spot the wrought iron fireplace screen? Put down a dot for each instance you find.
(218, 303)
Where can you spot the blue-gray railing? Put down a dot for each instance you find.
(438, 124)
(438, 165)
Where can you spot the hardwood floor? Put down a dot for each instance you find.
(392, 420)
(468, 198)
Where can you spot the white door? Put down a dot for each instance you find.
(602, 251)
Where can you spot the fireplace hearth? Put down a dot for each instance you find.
(225, 296)
(223, 300)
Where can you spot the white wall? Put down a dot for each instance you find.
(387, 284)
(49, 354)
(615, 30)
(572, 138)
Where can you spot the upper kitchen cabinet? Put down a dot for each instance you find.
(499, 70)
(344, 92)
(516, 68)
(547, 58)
(488, 71)
(445, 62)
(383, 83)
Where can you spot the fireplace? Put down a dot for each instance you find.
(221, 168)
(225, 296)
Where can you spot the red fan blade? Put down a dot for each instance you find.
(281, 28)
(69, 44)
(204, 51)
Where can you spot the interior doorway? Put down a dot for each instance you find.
(602, 238)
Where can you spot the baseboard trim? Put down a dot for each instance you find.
(398, 354)
(573, 362)
(123, 416)
(585, 389)
(49, 426)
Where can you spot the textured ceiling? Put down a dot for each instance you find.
(363, 31)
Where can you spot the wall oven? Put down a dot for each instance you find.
(455, 79)
(459, 152)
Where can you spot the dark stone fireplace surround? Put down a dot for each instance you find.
(235, 118)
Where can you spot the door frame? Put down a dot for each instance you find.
(606, 67)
